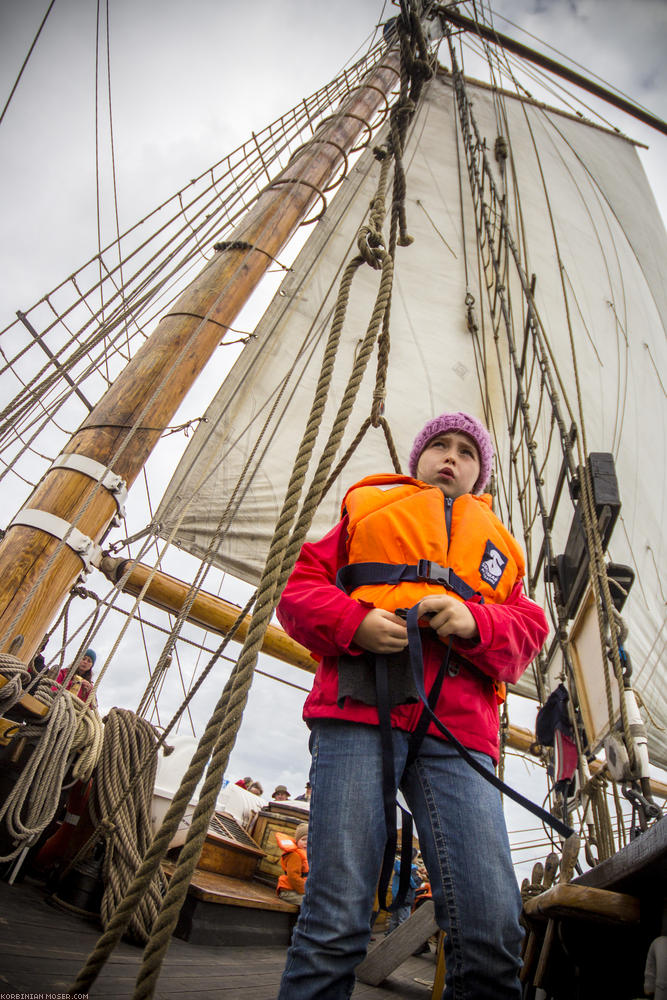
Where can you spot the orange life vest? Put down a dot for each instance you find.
(287, 845)
(397, 520)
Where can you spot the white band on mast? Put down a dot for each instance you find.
(112, 482)
(86, 549)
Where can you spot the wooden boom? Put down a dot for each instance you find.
(124, 427)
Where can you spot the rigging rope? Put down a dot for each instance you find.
(496, 249)
(25, 61)
(281, 554)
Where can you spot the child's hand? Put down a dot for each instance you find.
(450, 617)
(381, 632)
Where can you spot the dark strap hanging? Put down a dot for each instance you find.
(416, 661)
(389, 783)
(389, 786)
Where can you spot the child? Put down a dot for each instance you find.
(294, 862)
(494, 632)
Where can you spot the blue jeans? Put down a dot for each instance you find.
(464, 843)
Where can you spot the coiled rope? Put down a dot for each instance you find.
(68, 728)
(129, 744)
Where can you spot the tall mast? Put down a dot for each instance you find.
(121, 431)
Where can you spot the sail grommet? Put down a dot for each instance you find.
(111, 481)
(84, 547)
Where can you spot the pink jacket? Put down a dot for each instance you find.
(315, 612)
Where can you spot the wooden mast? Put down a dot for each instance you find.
(157, 379)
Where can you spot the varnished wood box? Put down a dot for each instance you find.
(268, 822)
(228, 849)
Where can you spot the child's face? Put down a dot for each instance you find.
(450, 461)
(302, 842)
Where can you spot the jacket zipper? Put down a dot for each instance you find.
(449, 503)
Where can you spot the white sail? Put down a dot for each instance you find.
(576, 184)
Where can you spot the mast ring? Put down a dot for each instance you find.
(350, 114)
(313, 187)
(330, 142)
(384, 65)
(383, 111)
(106, 477)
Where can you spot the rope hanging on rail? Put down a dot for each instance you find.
(69, 735)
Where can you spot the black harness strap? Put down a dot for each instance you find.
(366, 574)
(389, 786)
(389, 783)
(416, 661)
(425, 718)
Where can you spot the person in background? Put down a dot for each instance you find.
(306, 795)
(83, 676)
(397, 917)
(244, 782)
(294, 862)
(280, 793)
(38, 665)
(255, 788)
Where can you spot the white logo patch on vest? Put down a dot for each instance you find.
(492, 565)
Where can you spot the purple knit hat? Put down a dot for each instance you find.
(466, 424)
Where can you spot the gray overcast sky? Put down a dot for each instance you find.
(189, 83)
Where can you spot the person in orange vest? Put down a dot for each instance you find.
(413, 606)
(294, 862)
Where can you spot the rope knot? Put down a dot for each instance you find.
(500, 148)
(377, 408)
(107, 827)
(371, 247)
(421, 69)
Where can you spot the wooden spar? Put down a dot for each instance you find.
(496, 38)
(208, 610)
(126, 424)
(217, 615)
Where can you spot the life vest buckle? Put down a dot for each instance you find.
(427, 570)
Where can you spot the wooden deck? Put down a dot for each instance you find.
(224, 889)
(42, 948)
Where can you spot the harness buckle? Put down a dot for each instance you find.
(428, 570)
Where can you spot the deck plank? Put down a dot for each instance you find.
(43, 947)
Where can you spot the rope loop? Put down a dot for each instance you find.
(371, 247)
